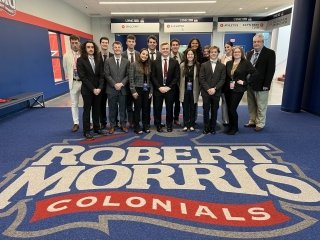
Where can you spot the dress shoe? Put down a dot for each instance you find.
(225, 124)
(250, 125)
(169, 129)
(258, 129)
(88, 136)
(212, 131)
(205, 131)
(98, 132)
(138, 131)
(111, 130)
(185, 129)
(125, 129)
(75, 128)
(159, 129)
(146, 130)
(162, 125)
(176, 122)
(232, 132)
(191, 129)
(103, 126)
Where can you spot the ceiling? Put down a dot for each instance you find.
(92, 8)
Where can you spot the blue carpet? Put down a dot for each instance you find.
(56, 185)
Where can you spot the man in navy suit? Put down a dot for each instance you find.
(264, 60)
(116, 70)
(132, 55)
(89, 71)
(165, 72)
(212, 77)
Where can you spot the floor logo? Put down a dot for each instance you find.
(173, 181)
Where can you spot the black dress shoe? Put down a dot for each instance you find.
(162, 125)
(258, 129)
(88, 136)
(75, 128)
(169, 129)
(146, 130)
(232, 132)
(205, 131)
(159, 129)
(212, 131)
(250, 125)
(98, 132)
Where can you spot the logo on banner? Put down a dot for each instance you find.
(177, 182)
(8, 6)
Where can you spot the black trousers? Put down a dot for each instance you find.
(210, 105)
(142, 107)
(103, 107)
(233, 100)
(91, 102)
(158, 98)
(188, 109)
(176, 111)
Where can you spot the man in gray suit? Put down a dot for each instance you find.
(212, 77)
(116, 71)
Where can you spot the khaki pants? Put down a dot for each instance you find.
(257, 106)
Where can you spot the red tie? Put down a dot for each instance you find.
(165, 71)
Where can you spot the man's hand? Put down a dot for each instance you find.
(135, 95)
(118, 86)
(96, 91)
(211, 91)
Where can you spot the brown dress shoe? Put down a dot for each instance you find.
(111, 130)
(250, 125)
(75, 128)
(258, 129)
(125, 129)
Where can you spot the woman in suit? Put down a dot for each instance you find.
(89, 72)
(238, 70)
(141, 90)
(189, 88)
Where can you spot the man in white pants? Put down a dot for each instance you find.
(70, 69)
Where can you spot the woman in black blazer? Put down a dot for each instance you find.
(238, 71)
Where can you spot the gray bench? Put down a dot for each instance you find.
(33, 99)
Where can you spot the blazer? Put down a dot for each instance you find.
(125, 55)
(157, 75)
(114, 75)
(136, 78)
(90, 79)
(243, 70)
(209, 79)
(109, 55)
(196, 85)
(68, 64)
(265, 65)
(181, 56)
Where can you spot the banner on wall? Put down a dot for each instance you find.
(254, 24)
(135, 25)
(188, 25)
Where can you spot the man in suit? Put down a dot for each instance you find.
(264, 60)
(70, 69)
(132, 55)
(175, 54)
(165, 72)
(152, 43)
(104, 55)
(89, 70)
(212, 77)
(116, 70)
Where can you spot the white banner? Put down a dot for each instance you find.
(135, 27)
(188, 27)
(258, 26)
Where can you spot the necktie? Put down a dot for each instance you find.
(131, 58)
(152, 56)
(91, 59)
(104, 57)
(165, 71)
(255, 58)
(175, 57)
(118, 64)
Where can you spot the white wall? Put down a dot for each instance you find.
(282, 50)
(57, 12)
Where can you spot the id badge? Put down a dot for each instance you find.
(75, 73)
(145, 86)
(189, 86)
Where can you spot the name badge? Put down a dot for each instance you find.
(145, 87)
(75, 73)
(189, 86)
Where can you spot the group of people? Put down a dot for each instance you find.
(130, 80)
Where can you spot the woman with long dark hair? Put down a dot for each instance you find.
(141, 90)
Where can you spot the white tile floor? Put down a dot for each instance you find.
(275, 97)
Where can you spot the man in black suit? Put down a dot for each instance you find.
(165, 72)
(132, 55)
(104, 54)
(264, 60)
(152, 43)
(89, 71)
(116, 71)
(212, 77)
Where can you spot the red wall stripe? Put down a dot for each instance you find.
(30, 19)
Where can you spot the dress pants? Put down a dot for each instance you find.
(210, 105)
(91, 102)
(257, 106)
(188, 109)
(176, 111)
(224, 109)
(75, 93)
(117, 104)
(142, 104)
(158, 98)
(103, 107)
(233, 99)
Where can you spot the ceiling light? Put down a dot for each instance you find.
(266, 8)
(156, 13)
(158, 2)
(240, 8)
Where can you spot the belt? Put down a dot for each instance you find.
(77, 80)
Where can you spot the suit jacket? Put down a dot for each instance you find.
(157, 74)
(243, 70)
(68, 64)
(265, 65)
(209, 79)
(114, 75)
(181, 56)
(125, 55)
(102, 61)
(90, 79)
